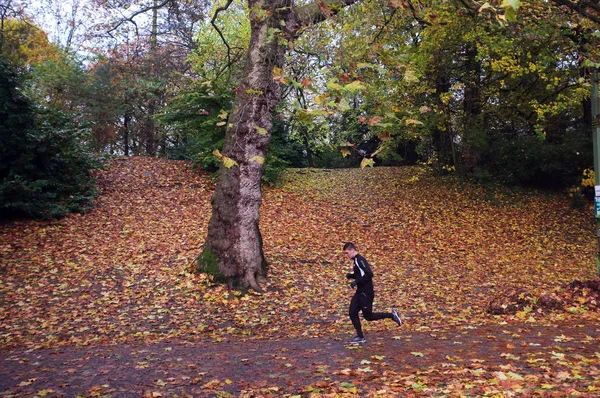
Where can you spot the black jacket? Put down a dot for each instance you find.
(363, 276)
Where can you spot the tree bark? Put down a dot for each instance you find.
(126, 119)
(234, 237)
(233, 231)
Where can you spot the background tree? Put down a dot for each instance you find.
(45, 168)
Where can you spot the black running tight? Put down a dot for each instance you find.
(363, 302)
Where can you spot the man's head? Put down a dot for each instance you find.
(350, 250)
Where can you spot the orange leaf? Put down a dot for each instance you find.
(325, 10)
(374, 120)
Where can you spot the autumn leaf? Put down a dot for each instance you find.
(367, 162)
(257, 159)
(261, 130)
(354, 87)
(227, 162)
(374, 120)
(514, 4)
(411, 76)
(345, 151)
(333, 86)
(414, 122)
(394, 4)
(324, 9)
(278, 75)
(384, 136)
(485, 6)
(306, 82)
(137, 264)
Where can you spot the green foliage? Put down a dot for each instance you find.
(283, 153)
(45, 169)
(195, 115)
(466, 88)
(199, 116)
(531, 161)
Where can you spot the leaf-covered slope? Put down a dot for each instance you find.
(439, 252)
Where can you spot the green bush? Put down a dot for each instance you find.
(44, 166)
(531, 161)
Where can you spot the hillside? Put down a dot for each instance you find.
(440, 252)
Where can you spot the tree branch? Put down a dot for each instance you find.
(582, 8)
(212, 22)
(135, 14)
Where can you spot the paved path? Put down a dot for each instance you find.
(514, 359)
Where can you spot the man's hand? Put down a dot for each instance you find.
(349, 276)
(353, 284)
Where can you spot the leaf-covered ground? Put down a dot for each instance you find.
(483, 280)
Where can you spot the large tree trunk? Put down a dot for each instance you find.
(234, 241)
(233, 232)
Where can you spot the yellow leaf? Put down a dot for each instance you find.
(228, 162)
(278, 75)
(345, 152)
(413, 122)
(367, 162)
(257, 159)
(417, 354)
(515, 376)
(260, 130)
(410, 76)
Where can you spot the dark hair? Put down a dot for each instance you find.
(349, 246)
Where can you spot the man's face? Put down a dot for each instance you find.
(351, 253)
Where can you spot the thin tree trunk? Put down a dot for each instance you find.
(126, 119)
(150, 125)
(309, 153)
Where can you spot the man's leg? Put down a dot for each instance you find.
(367, 309)
(353, 312)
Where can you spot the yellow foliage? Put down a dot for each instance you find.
(25, 44)
(588, 179)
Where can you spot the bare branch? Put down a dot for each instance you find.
(135, 14)
(212, 22)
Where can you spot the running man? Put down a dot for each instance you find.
(364, 295)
